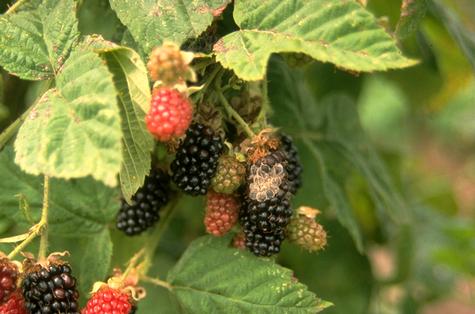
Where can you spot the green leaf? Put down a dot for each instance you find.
(209, 278)
(151, 22)
(131, 83)
(340, 32)
(87, 208)
(74, 130)
(35, 42)
(412, 12)
(331, 131)
(96, 260)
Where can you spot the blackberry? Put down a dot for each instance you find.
(50, 289)
(294, 167)
(196, 160)
(8, 279)
(261, 243)
(266, 210)
(269, 215)
(143, 213)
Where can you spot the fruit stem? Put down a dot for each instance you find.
(266, 108)
(14, 6)
(38, 229)
(157, 282)
(155, 237)
(44, 220)
(232, 113)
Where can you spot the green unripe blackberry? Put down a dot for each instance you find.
(229, 176)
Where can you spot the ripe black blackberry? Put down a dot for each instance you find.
(143, 213)
(261, 243)
(196, 160)
(294, 167)
(50, 289)
(266, 207)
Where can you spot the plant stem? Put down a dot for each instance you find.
(157, 282)
(15, 6)
(155, 237)
(38, 229)
(12, 128)
(232, 113)
(44, 218)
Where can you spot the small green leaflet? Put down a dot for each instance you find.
(154, 21)
(84, 205)
(35, 42)
(74, 130)
(340, 32)
(131, 82)
(213, 278)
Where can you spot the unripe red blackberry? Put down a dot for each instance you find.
(143, 213)
(50, 289)
(109, 301)
(8, 279)
(230, 175)
(14, 305)
(196, 160)
(221, 214)
(305, 231)
(239, 240)
(167, 64)
(170, 114)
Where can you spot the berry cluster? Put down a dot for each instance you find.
(143, 212)
(109, 301)
(170, 114)
(14, 305)
(221, 213)
(8, 279)
(305, 231)
(197, 159)
(229, 176)
(50, 289)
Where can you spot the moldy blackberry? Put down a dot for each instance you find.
(143, 213)
(196, 159)
(50, 289)
(266, 207)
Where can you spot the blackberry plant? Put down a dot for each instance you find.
(191, 125)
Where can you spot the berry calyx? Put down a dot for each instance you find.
(196, 159)
(170, 114)
(168, 64)
(305, 231)
(143, 212)
(230, 175)
(50, 288)
(8, 279)
(14, 305)
(109, 301)
(221, 213)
